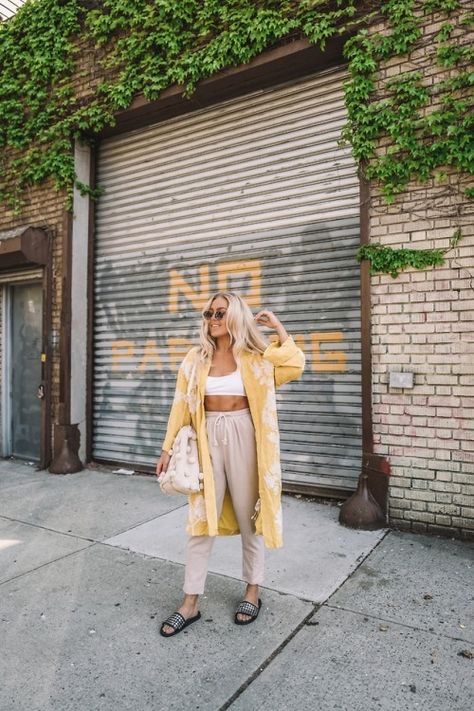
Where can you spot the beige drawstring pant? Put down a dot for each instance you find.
(231, 437)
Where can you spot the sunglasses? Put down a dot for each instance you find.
(219, 314)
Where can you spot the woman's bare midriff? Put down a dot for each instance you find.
(225, 403)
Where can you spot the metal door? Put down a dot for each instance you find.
(26, 308)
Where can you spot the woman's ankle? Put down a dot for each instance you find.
(190, 602)
(252, 591)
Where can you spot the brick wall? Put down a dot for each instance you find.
(44, 208)
(423, 323)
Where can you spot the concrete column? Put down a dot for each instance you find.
(79, 295)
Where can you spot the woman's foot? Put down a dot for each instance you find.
(251, 595)
(188, 609)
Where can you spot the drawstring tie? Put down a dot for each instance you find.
(220, 418)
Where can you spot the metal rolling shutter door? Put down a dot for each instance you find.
(256, 195)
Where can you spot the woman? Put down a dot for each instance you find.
(226, 390)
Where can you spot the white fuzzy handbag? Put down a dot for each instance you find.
(183, 475)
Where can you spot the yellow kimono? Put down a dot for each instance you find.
(260, 375)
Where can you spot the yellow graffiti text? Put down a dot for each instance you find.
(179, 285)
(122, 352)
(177, 349)
(253, 268)
(324, 361)
(151, 357)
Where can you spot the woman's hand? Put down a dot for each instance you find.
(269, 319)
(162, 463)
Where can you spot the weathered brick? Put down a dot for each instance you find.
(436, 529)
(420, 495)
(463, 499)
(440, 444)
(446, 509)
(420, 483)
(418, 506)
(445, 498)
(446, 486)
(443, 520)
(400, 504)
(444, 476)
(463, 478)
(418, 527)
(422, 516)
(399, 523)
(463, 522)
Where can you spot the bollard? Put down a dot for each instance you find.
(66, 447)
(361, 510)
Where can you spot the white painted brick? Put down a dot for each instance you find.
(445, 498)
(465, 523)
(443, 520)
(446, 486)
(420, 495)
(420, 516)
(401, 505)
(446, 509)
(463, 499)
(444, 476)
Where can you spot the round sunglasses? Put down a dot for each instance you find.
(218, 314)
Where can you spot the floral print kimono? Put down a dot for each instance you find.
(260, 374)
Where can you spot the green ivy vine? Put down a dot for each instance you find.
(422, 143)
(388, 260)
(145, 46)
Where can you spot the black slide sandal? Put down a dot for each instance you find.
(247, 608)
(178, 623)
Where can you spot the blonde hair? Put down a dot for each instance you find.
(241, 326)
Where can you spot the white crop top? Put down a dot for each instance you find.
(225, 384)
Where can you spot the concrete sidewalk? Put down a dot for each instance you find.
(90, 564)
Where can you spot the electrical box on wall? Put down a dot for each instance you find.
(401, 380)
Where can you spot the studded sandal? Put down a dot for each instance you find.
(247, 608)
(178, 623)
